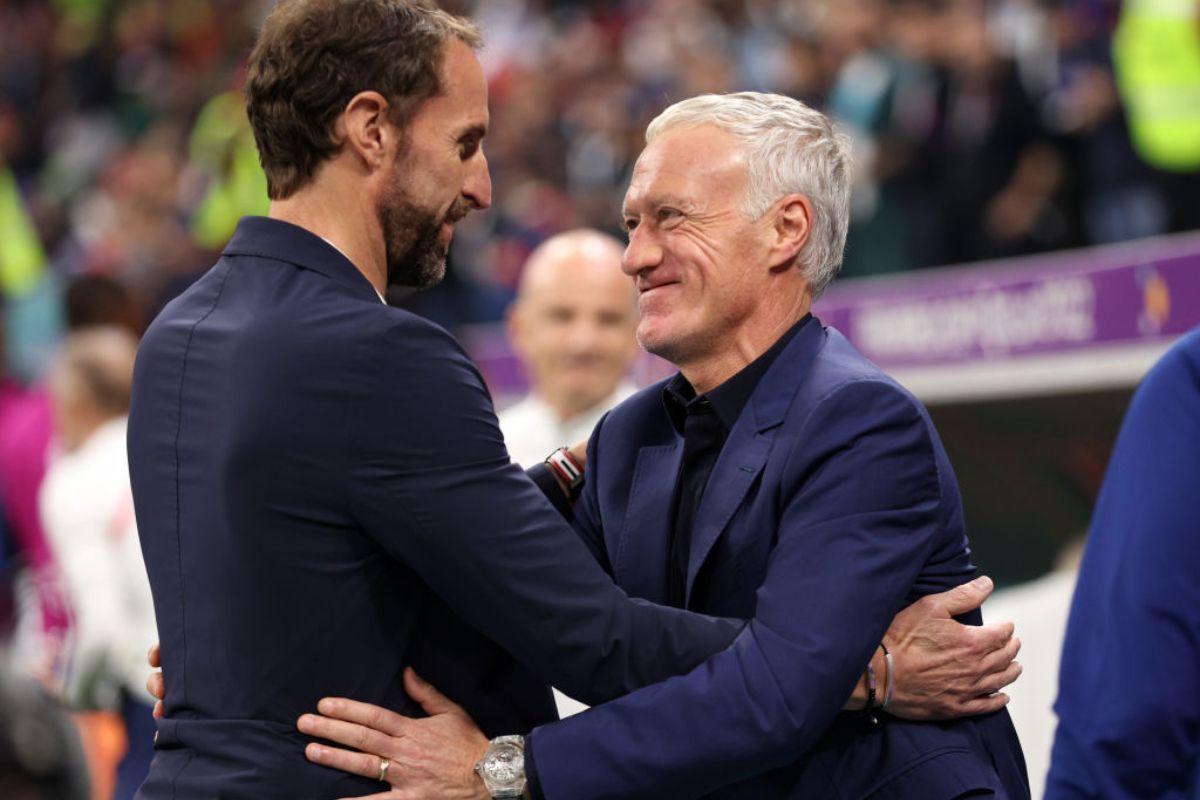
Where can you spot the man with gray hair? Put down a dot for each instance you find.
(779, 476)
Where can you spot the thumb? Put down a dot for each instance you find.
(968, 596)
(433, 701)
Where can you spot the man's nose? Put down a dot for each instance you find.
(478, 186)
(643, 252)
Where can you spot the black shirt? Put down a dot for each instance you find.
(704, 423)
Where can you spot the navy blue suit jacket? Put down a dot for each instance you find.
(1129, 694)
(831, 507)
(323, 498)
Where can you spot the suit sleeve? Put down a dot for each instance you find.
(431, 481)
(1129, 699)
(858, 522)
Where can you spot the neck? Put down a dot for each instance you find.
(566, 410)
(770, 320)
(342, 218)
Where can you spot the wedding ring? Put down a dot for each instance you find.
(383, 768)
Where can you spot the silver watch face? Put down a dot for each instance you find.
(504, 766)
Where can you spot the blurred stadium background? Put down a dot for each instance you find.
(1027, 174)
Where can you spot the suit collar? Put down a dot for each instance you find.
(779, 385)
(640, 563)
(273, 238)
(729, 399)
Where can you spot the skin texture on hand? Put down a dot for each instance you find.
(944, 669)
(429, 759)
(579, 452)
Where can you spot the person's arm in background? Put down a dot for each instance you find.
(1129, 687)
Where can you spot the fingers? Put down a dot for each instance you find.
(967, 597)
(374, 717)
(990, 684)
(350, 734)
(989, 638)
(159, 711)
(984, 705)
(999, 660)
(154, 656)
(345, 760)
(433, 701)
(156, 686)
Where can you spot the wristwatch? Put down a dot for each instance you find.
(503, 767)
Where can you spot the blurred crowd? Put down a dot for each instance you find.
(981, 129)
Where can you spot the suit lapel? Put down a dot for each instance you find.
(741, 460)
(641, 560)
(745, 452)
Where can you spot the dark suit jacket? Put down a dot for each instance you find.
(831, 507)
(323, 497)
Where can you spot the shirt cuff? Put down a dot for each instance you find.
(541, 475)
(531, 777)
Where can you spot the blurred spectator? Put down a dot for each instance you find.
(26, 431)
(983, 127)
(1157, 51)
(572, 326)
(40, 757)
(96, 300)
(87, 509)
(1129, 693)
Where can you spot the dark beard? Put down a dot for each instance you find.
(415, 256)
(412, 239)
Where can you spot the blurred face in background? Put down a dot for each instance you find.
(574, 319)
(696, 258)
(438, 175)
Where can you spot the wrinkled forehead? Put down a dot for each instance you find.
(694, 163)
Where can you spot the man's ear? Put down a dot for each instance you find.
(791, 226)
(363, 128)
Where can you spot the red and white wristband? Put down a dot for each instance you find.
(567, 470)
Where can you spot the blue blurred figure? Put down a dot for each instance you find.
(1129, 702)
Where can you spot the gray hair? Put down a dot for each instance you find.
(789, 147)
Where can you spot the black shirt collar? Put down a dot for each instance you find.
(728, 399)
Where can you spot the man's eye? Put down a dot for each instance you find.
(468, 148)
(630, 224)
(667, 214)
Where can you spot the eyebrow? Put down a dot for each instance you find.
(477, 131)
(658, 201)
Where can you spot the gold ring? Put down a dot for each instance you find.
(383, 768)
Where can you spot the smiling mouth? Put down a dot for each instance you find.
(643, 291)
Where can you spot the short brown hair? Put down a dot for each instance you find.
(313, 56)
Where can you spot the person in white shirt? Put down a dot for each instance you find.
(87, 510)
(572, 325)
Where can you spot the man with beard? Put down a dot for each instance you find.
(322, 492)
